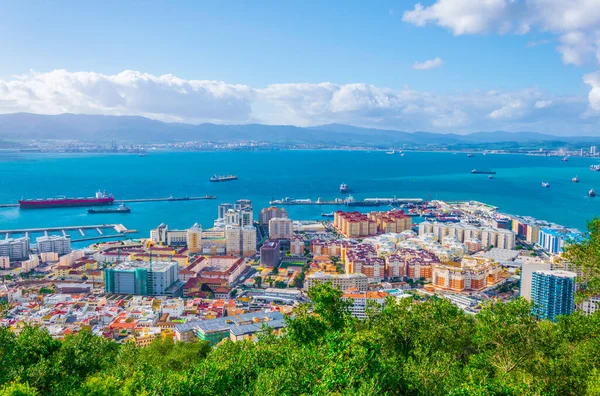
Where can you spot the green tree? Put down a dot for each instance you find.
(585, 254)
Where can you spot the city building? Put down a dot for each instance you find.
(194, 238)
(270, 254)
(15, 248)
(554, 239)
(553, 293)
(343, 282)
(223, 209)
(240, 240)
(391, 221)
(246, 216)
(272, 212)
(471, 274)
(53, 243)
(297, 245)
(236, 328)
(242, 204)
(233, 238)
(527, 271)
(248, 240)
(280, 228)
(354, 224)
(359, 301)
(143, 278)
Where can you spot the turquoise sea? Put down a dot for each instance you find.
(266, 175)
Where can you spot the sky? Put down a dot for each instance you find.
(455, 66)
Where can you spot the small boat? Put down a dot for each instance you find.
(591, 193)
(344, 188)
(121, 209)
(545, 184)
(470, 155)
(391, 152)
(331, 214)
(482, 172)
(595, 168)
(142, 154)
(490, 177)
(401, 154)
(565, 159)
(575, 179)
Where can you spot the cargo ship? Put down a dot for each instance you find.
(121, 209)
(100, 199)
(219, 178)
(482, 172)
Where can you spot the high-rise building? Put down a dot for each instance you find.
(280, 228)
(273, 212)
(242, 203)
(15, 249)
(246, 216)
(233, 240)
(223, 208)
(53, 243)
(232, 217)
(143, 278)
(527, 271)
(553, 293)
(248, 240)
(194, 238)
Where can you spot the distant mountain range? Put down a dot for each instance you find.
(99, 128)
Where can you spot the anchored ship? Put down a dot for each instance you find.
(482, 172)
(220, 178)
(100, 199)
(121, 209)
(592, 193)
(545, 184)
(575, 179)
(343, 188)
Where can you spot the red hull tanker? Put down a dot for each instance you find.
(101, 198)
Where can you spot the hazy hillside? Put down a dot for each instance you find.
(25, 126)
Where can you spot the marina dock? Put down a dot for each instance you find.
(120, 229)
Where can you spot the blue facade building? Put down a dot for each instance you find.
(554, 239)
(553, 293)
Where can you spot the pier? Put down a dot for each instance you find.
(119, 228)
(348, 201)
(171, 199)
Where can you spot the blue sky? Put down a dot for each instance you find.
(261, 44)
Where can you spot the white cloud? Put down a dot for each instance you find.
(576, 22)
(593, 80)
(542, 104)
(130, 92)
(170, 98)
(509, 110)
(428, 64)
